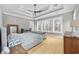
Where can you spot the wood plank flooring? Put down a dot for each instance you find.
(51, 45)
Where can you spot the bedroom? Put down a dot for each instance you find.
(38, 28)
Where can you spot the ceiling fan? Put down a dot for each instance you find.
(38, 11)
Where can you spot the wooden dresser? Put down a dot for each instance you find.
(71, 44)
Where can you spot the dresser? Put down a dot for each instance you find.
(71, 44)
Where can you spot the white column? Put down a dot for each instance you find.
(3, 30)
(4, 37)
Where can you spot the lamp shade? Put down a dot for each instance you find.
(75, 23)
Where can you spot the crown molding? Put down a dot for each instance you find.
(53, 16)
(15, 15)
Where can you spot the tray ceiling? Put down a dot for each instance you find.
(27, 10)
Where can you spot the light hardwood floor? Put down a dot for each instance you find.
(51, 45)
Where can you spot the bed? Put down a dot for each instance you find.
(27, 40)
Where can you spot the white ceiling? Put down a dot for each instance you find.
(21, 10)
(24, 6)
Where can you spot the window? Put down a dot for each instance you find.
(50, 25)
(31, 25)
(58, 25)
(74, 18)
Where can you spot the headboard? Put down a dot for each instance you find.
(11, 28)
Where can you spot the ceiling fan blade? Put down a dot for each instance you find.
(30, 10)
(41, 10)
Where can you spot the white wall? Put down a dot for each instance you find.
(67, 18)
(77, 12)
(23, 23)
(0, 17)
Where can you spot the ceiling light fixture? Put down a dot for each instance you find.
(34, 12)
